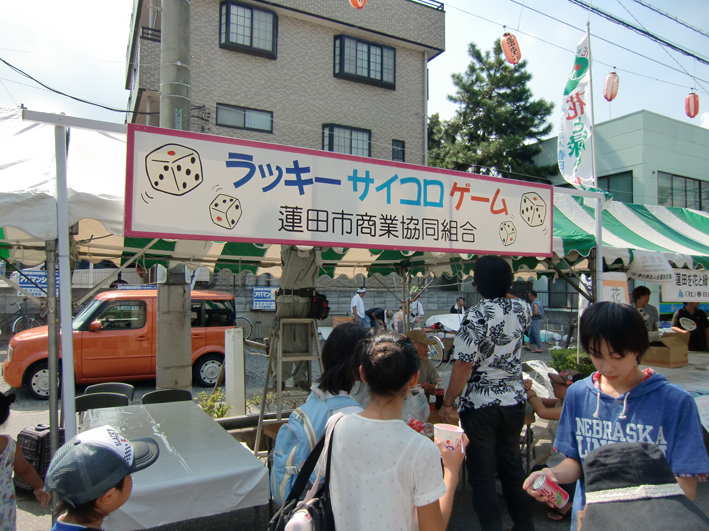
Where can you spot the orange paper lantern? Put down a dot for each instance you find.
(610, 87)
(691, 105)
(511, 48)
(358, 4)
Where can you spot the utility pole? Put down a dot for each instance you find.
(174, 342)
(175, 65)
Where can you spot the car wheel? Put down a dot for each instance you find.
(38, 380)
(206, 369)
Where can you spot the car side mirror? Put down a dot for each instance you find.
(95, 325)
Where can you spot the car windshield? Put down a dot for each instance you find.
(85, 314)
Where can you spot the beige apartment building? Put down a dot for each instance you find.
(308, 73)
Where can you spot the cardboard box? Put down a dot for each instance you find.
(670, 351)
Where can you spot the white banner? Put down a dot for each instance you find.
(615, 288)
(687, 286)
(650, 267)
(192, 186)
(575, 151)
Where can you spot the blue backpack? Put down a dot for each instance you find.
(298, 437)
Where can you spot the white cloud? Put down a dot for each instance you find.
(704, 120)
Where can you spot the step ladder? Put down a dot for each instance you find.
(277, 377)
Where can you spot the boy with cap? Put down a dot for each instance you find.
(92, 475)
(428, 375)
(632, 486)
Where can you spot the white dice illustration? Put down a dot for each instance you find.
(533, 209)
(508, 233)
(225, 211)
(174, 169)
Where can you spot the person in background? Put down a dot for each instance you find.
(621, 401)
(488, 369)
(428, 375)
(550, 409)
(699, 337)
(13, 461)
(415, 307)
(535, 327)
(357, 307)
(459, 306)
(641, 297)
(383, 474)
(377, 318)
(397, 321)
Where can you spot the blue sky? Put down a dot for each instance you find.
(79, 47)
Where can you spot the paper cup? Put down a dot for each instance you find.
(448, 434)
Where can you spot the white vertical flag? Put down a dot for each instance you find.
(575, 150)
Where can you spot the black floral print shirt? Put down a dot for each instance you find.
(491, 337)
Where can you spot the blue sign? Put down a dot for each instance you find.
(666, 307)
(264, 298)
(39, 278)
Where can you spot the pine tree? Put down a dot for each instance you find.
(496, 119)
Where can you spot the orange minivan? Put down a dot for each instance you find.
(115, 339)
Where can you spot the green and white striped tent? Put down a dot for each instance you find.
(96, 180)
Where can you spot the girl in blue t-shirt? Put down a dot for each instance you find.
(622, 403)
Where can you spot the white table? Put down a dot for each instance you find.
(201, 471)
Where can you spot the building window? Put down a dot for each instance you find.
(683, 192)
(244, 118)
(365, 62)
(620, 185)
(349, 140)
(244, 28)
(397, 150)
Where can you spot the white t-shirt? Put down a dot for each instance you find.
(381, 471)
(416, 308)
(357, 301)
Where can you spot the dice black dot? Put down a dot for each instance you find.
(178, 167)
(192, 160)
(166, 167)
(184, 185)
(188, 172)
(223, 200)
(196, 176)
(237, 207)
(156, 183)
(232, 221)
(161, 176)
(216, 205)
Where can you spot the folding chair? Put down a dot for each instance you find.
(166, 395)
(111, 387)
(98, 401)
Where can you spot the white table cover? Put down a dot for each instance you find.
(201, 471)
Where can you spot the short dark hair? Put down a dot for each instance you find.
(460, 299)
(341, 358)
(620, 325)
(85, 513)
(640, 291)
(5, 401)
(492, 276)
(533, 293)
(390, 362)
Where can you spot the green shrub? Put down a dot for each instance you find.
(213, 404)
(565, 359)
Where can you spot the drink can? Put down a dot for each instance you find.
(554, 493)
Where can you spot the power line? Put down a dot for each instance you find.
(25, 74)
(64, 56)
(640, 31)
(572, 51)
(8, 91)
(596, 37)
(671, 17)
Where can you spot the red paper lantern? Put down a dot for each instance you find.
(358, 4)
(691, 105)
(610, 87)
(511, 48)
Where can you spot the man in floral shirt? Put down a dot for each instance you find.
(488, 370)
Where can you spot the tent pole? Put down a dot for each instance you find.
(67, 338)
(52, 346)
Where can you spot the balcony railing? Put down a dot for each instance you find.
(150, 34)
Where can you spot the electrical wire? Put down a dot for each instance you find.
(8, 91)
(671, 17)
(572, 51)
(640, 31)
